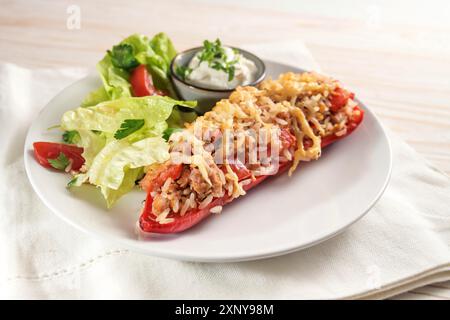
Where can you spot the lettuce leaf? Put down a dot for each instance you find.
(163, 47)
(115, 80)
(109, 115)
(119, 164)
(92, 144)
(95, 97)
(116, 168)
(107, 169)
(115, 160)
(128, 183)
(179, 117)
(116, 65)
(159, 64)
(114, 164)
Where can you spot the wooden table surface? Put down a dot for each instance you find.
(400, 67)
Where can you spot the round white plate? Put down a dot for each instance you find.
(281, 215)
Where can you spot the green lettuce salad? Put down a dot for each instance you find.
(121, 134)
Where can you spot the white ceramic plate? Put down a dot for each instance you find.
(281, 215)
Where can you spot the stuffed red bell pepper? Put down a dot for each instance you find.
(217, 158)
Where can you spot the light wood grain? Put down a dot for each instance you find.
(401, 70)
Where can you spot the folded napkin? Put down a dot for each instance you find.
(402, 243)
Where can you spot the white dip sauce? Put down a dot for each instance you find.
(204, 75)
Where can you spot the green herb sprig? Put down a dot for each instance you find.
(60, 163)
(122, 56)
(71, 136)
(183, 71)
(72, 182)
(129, 126)
(214, 54)
(168, 132)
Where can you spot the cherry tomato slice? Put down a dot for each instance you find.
(142, 84)
(50, 150)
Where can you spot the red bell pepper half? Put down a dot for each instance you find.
(147, 220)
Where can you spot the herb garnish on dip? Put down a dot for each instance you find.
(218, 67)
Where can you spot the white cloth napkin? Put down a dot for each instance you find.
(401, 244)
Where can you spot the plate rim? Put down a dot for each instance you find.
(155, 251)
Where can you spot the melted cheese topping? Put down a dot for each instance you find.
(302, 154)
(294, 102)
(250, 105)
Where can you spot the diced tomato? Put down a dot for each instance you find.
(142, 84)
(353, 123)
(287, 139)
(50, 150)
(339, 99)
(241, 171)
(173, 172)
(357, 115)
(155, 180)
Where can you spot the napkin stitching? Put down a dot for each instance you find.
(70, 270)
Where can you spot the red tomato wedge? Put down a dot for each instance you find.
(356, 119)
(156, 180)
(339, 99)
(142, 83)
(147, 220)
(50, 150)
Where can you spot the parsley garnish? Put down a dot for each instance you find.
(227, 67)
(60, 163)
(215, 55)
(127, 127)
(183, 71)
(72, 182)
(70, 137)
(122, 56)
(168, 132)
